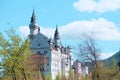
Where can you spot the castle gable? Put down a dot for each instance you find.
(39, 41)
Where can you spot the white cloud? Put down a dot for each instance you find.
(47, 31)
(102, 29)
(97, 6)
(24, 30)
(106, 55)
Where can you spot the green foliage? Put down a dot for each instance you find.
(114, 70)
(13, 53)
(107, 73)
(58, 77)
(48, 76)
(84, 77)
(71, 75)
(63, 77)
(109, 62)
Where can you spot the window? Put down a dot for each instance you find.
(38, 44)
(47, 64)
(47, 58)
(45, 52)
(47, 69)
(38, 52)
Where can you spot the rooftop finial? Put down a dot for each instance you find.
(33, 18)
(56, 31)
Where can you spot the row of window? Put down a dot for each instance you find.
(39, 52)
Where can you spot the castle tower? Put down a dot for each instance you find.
(34, 28)
(54, 56)
(57, 41)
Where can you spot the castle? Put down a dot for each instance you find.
(56, 59)
(59, 57)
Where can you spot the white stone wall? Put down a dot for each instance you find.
(80, 68)
(55, 63)
(65, 64)
(85, 70)
(77, 67)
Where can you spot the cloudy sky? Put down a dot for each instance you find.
(73, 17)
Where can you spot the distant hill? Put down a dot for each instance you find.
(109, 61)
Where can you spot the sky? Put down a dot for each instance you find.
(73, 17)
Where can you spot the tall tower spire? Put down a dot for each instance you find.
(33, 18)
(34, 28)
(57, 38)
(56, 35)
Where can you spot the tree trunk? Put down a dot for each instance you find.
(13, 73)
(23, 72)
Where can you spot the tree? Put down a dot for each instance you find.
(13, 53)
(110, 72)
(114, 72)
(89, 52)
(38, 65)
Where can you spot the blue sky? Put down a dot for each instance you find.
(73, 18)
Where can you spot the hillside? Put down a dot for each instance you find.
(115, 57)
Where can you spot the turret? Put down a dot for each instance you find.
(34, 28)
(51, 43)
(57, 41)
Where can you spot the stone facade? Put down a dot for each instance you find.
(59, 57)
(80, 68)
